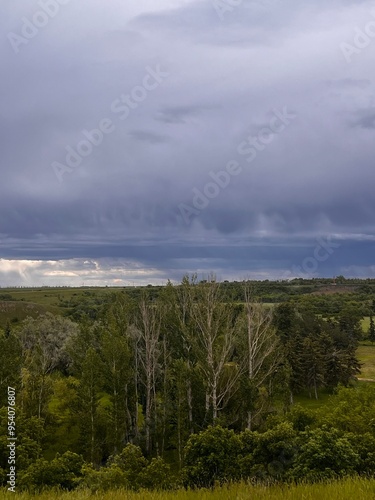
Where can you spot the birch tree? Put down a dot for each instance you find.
(261, 345)
(149, 325)
(214, 341)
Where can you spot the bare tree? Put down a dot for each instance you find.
(213, 341)
(183, 312)
(149, 325)
(261, 344)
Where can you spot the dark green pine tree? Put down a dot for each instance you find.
(371, 330)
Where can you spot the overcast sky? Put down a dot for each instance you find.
(277, 94)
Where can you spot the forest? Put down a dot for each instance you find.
(189, 385)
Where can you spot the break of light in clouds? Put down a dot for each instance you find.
(174, 88)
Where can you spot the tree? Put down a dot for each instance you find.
(349, 321)
(88, 403)
(324, 453)
(268, 454)
(213, 342)
(115, 356)
(149, 323)
(211, 456)
(132, 463)
(260, 346)
(10, 364)
(285, 320)
(63, 471)
(313, 364)
(44, 344)
(183, 312)
(371, 330)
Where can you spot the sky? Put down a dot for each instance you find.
(143, 140)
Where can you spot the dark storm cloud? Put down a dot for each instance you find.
(225, 80)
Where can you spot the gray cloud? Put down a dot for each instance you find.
(120, 206)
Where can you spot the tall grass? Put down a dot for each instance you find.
(349, 489)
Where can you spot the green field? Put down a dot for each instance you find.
(15, 312)
(358, 489)
(366, 355)
(365, 324)
(51, 296)
(16, 304)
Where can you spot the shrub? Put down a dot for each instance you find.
(157, 475)
(63, 471)
(325, 453)
(211, 456)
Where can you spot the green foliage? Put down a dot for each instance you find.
(63, 471)
(131, 462)
(30, 436)
(129, 470)
(301, 417)
(153, 368)
(156, 476)
(351, 410)
(273, 452)
(211, 456)
(104, 479)
(324, 454)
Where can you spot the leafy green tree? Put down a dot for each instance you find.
(349, 321)
(157, 475)
(351, 409)
(63, 471)
(31, 435)
(103, 479)
(117, 377)
(364, 446)
(88, 406)
(44, 344)
(272, 453)
(324, 453)
(313, 364)
(10, 364)
(211, 456)
(131, 463)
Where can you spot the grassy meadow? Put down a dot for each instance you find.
(358, 489)
(366, 356)
(16, 304)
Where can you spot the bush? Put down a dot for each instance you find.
(270, 454)
(325, 453)
(131, 463)
(104, 479)
(210, 457)
(129, 470)
(63, 471)
(156, 476)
